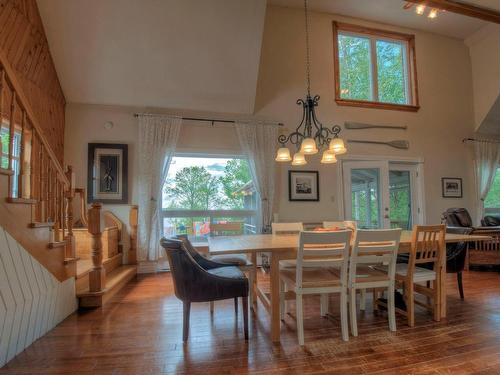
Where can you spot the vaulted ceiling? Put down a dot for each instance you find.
(188, 54)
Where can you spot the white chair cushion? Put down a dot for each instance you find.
(420, 274)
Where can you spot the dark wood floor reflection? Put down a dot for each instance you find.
(140, 332)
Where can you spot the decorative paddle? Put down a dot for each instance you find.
(403, 145)
(358, 125)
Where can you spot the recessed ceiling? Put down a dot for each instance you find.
(189, 54)
(392, 12)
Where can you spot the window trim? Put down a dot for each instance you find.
(410, 66)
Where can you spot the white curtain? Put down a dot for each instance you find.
(487, 159)
(258, 142)
(157, 140)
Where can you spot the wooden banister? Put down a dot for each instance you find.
(97, 276)
(83, 206)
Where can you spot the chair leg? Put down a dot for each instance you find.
(212, 305)
(236, 305)
(282, 300)
(300, 319)
(391, 308)
(460, 285)
(437, 298)
(186, 307)
(410, 303)
(352, 308)
(375, 298)
(324, 304)
(344, 324)
(244, 301)
(251, 276)
(362, 301)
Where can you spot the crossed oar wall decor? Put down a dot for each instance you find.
(399, 144)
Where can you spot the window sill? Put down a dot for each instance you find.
(377, 105)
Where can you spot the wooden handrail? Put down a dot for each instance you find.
(83, 206)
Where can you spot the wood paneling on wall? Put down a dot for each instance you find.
(25, 48)
(32, 300)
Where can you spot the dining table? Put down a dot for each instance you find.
(284, 247)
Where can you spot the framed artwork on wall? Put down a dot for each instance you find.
(451, 187)
(107, 173)
(303, 186)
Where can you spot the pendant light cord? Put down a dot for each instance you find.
(308, 63)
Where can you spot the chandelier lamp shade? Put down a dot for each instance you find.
(311, 135)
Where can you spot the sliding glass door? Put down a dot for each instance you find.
(380, 194)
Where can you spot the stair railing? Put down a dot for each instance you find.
(34, 172)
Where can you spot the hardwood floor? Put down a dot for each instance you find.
(140, 332)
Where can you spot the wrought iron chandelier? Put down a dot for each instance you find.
(310, 135)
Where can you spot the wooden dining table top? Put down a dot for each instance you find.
(249, 243)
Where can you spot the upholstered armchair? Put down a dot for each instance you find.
(194, 283)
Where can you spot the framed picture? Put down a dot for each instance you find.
(452, 187)
(107, 173)
(303, 186)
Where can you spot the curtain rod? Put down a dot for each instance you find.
(203, 119)
(480, 140)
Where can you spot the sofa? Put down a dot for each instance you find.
(480, 252)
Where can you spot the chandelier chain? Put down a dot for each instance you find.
(308, 59)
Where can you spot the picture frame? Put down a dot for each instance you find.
(451, 187)
(107, 173)
(303, 186)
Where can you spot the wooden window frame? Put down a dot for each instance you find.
(411, 66)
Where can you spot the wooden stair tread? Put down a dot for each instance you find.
(8, 172)
(70, 260)
(53, 245)
(114, 278)
(84, 266)
(41, 225)
(21, 200)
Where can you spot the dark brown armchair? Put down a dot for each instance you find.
(195, 283)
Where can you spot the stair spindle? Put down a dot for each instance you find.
(11, 142)
(20, 176)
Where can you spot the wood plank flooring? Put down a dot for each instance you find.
(140, 332)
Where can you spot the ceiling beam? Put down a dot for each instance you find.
(459, 7)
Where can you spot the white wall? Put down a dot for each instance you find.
(484, 49)
(32, 300)
(434, 132)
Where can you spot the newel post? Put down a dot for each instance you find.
(70, 194)
(132, 253)
(97, 276)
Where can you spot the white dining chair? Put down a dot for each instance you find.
(373, 248)
(321, 268)
(286, 228)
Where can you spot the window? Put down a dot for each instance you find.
(374, 68)
(16, 154)
(202, 190)
(492, 201)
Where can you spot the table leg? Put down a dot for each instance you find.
(275, 298)
(253, 259)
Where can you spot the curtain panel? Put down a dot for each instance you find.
(258, 143)
(487, 159)
(157, 141)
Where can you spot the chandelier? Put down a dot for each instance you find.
(310, 136)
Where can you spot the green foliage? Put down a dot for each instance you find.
(355, 70)
(4, 134)
(193, 188)
(236, 175)
(493, 198)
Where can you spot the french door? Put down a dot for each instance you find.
(381, 194)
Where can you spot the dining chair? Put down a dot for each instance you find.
(372, 248)
(321, 268)
(346, 224)
(193, 283)
(286, 228)
(427, 247)
(237, 260)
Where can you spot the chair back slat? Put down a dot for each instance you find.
(323, 249)
(375, 247)
(286, 228)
